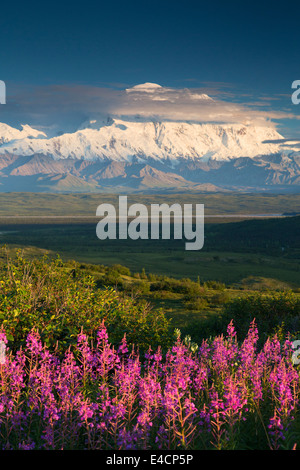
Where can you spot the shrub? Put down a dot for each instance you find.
(216, 285)
(44, 294)
(220, 298)
(120, 269)
(139, 287)
(198, 303)
(269, 311)
(111, 278)
(184, 286)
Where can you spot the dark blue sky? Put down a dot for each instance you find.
(248, 48)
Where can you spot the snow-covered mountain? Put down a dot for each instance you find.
(123, 140)
(9, 134)
(144, 151)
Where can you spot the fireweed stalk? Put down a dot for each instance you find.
(221, 395)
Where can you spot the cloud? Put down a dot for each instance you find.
(67, 106)
(192, 104)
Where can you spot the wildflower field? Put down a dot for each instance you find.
(222, 395)
(88, 369)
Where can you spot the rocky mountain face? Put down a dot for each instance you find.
(42, 173)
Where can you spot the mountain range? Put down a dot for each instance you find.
(145, 153)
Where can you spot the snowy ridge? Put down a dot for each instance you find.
(121, 140)
(8, 133)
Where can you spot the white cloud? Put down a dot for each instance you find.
(190, 104)
(70, 105)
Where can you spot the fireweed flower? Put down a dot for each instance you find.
(86, 410)
(86, 355)
(157, 356)
(27, 446)
(142, 429)
(204, 415)
(204, 350)
(127, 376)
(235, 400)
(272, 350)
(179, 365)
(255, 390)
(231, 331)
(99, 397)
(67, 383)
(149, 391)
(224, 351)
(217, 420)
(247, 352)
(102, 335)
(200, 379)
(276, 431)
(123, 349)
(33, 343)
(105, 356)
(284, 381)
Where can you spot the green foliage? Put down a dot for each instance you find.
(59, 301)
(183, 286)
(138, 288)
(198, 303)
(143, 274)
(220, 298)
(120, 269)
(260, 283)
(216, 285)
(271, 311)
(111, 278)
